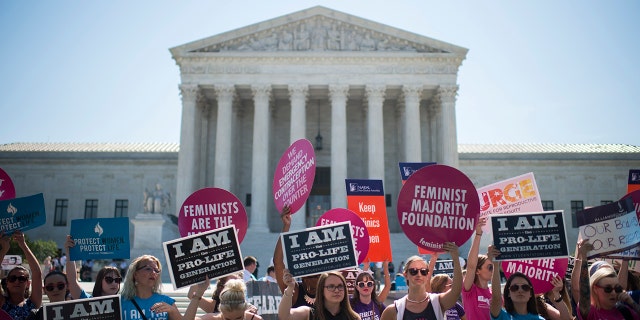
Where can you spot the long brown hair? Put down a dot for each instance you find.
(374, 296)
(344, 304)
(532, 306)
(97, 288)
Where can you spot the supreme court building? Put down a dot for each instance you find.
(365, 94)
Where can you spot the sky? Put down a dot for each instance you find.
(536, 72)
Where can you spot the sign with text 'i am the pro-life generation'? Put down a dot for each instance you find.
(212, 208)
(366, 199)
(438, 204)
(530, 236)
(100, 238)
(22, 214)
(358, 229)
(319, 249)
(215, 253)
(294, 175)
(99, 308)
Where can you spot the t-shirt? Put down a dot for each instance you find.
(477, 303)
(611, 314)
(130, 312)
(369, 311)
(505, 316)
(455, 313)
(19, 312)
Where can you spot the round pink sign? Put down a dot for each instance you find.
(212, 208)
(358, 228)
(438, 204)
(539, 271)
(294, 176)
(7, 190)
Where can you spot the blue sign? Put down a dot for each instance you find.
(22, 214)
(364, 187)
(408, 168)
(100, 238)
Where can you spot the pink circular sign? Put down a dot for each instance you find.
(539, 271)
(438, 204)
(7, 190)
(294, 176)
(212, 208)
(358, 228)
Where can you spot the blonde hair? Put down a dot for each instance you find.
(232, 297)
(129, 286)
(598, 275)
(439, 282)
(411, 260)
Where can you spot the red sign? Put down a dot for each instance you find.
(438, 204)
(212, 208)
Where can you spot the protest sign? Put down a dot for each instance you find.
(366, 199)
(610, 228)
(406, 170)
(444, 267)
(539, 271)
(100, 238)
(266, 297)
(294, 175)
(319, 249)
(10, 261)
(100, 308)
(215, 254)
(570, 264)
(515, 195)
(633, 253)
(358, 229)
(633, 183)
(7, 189)
(22, 214)
(530, 236)
(209, 209)
(438, 204)
(350, 276)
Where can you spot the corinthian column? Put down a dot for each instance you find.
(447, 97)
(375, 130)
(222, 169)
(190, 133)
(339, 94)
(412, 145)
(298, 96)
(260, 158)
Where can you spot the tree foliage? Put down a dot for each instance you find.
(40, 248)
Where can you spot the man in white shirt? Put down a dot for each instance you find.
(250, 265)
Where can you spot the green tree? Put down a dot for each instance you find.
(40, 248)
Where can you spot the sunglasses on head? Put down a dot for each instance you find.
(609, 289)
(22, 279)
(110, 280)
(368, 284)
(414, 271)
(515, 287)
(51, 287)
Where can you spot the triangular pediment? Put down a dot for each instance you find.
(317, 29)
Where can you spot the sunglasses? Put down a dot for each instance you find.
(368, 284)
(110, 280)
(609, 289)
(149, 269)
(22, 279)
(51, 287)
(414, 271)
(515, 287)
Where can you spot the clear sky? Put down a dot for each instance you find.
(536, 72)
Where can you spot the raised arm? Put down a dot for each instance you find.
(278, 257)
(432, 265)
(472, 259)
(496, 293)
(195, 294)
(623, 274)
(285, 311)
(34, 265)
(5, 244)
(72, 275)
(449, 298)
(387, 282)
(558, 309)
(584, 301)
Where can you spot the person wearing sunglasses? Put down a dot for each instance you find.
(365, 301)
(519, 297)
(476, 292)
(107, 281)
(419, 303)
(19, 299)
(331, 303)
(141, 292)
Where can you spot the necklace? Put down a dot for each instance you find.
(309, 300)
(421, 301)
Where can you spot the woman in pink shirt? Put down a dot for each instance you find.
(476, 294)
